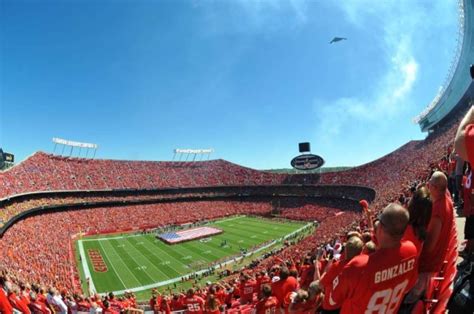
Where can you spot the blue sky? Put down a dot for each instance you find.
(250, 79)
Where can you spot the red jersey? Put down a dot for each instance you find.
(376, 283)
(177, 304)
(326, 282)
(410, 235)
(18, 303)
(116, 305)
(194, 304)
(469, 141)
(306, 274)
(443, 209)
(221, 295)
(83, 306)
(247, 289)
(5, 306)
(41, 298)
(38, 308)
(282, 287)
(267, 306)
(163, 307)
(467, 194)
(262, 280)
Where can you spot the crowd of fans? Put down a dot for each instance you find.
(293, 279)
(46, 172)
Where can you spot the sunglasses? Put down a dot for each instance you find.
(378, 221)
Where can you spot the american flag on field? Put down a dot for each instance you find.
(190, 234)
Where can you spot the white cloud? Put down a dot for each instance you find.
(390, 96)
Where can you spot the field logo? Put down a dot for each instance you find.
(97, 261)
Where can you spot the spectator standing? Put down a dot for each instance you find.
(376, 283)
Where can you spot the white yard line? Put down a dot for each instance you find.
(144, 258)
(224, 220)
(165, 253)
(112, 238)
(296, 231)
(177, 279)
(85, 266)
(112, 264)
(169, 281)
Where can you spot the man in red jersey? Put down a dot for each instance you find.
(285, 285)
(262, 279)
(306, 272)
(177, 302)
(193, 303)
(5, 306)
(248, 286)
(441, 228)
(468, 212)
(37, 307)
(376, 283)
(353, 247)
(440, 232)
(268, 304)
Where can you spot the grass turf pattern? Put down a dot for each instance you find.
(138, 260)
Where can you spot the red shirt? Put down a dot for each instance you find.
(247, 290)
(469, 141)
(194, 304)
(38, 308)
(467, 194)
(221, 295)
(411, 236)
(306, 274)
(41, 298)
(432, 261)
(164, 307)
(262, 280)
(267, 306)
(18, 303)
(326, 282)
(177, 304)
(5, 306)
(281, 288)
(376, 283)
(83, 306)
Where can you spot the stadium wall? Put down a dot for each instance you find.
(262, 193)
(461, 87)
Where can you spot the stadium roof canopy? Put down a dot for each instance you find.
(459, 84)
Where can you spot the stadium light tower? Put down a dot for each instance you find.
(192, 152)
(66, 143)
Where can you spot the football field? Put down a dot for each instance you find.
(139, 262)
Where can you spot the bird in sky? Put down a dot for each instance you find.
(336, 39)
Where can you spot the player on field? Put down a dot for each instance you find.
(377, 283)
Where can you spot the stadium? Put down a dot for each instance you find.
(87, 227)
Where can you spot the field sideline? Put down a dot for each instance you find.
(139, 262)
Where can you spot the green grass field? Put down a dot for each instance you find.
(140, 262)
